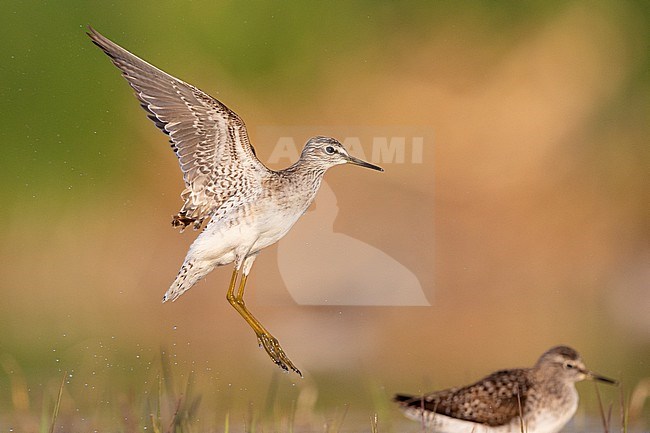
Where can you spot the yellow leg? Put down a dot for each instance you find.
(264, 337)
(240, 290)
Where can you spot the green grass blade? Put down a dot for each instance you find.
(57, 404)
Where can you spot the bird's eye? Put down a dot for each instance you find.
(569, 365)
(329, 150)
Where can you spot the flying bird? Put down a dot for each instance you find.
(247, 206)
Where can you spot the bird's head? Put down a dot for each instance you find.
(326, 152)
(564, 362)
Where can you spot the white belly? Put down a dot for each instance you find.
(444, 424)
(235, 235)
(544, 421)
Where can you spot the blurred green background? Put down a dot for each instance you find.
(527, 227)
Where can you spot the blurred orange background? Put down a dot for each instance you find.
(526, 224)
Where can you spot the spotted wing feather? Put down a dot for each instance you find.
(210, 140)
(493, 400)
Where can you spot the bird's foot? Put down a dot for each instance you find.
(273, 348)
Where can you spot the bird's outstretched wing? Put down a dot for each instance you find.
(210, 140)
(495, 400)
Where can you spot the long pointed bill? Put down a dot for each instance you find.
(362, 163)
(593, 376)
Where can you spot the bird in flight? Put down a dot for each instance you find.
(247, 206)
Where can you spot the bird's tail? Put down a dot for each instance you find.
(406, 400)
(190, 273)
(414, 402)
(415, 407)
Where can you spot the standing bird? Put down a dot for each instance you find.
(541, 399)
(247, 205)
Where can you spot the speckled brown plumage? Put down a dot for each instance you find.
(207, 137)
(492, 400)
(249, 206)
(543, 397)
